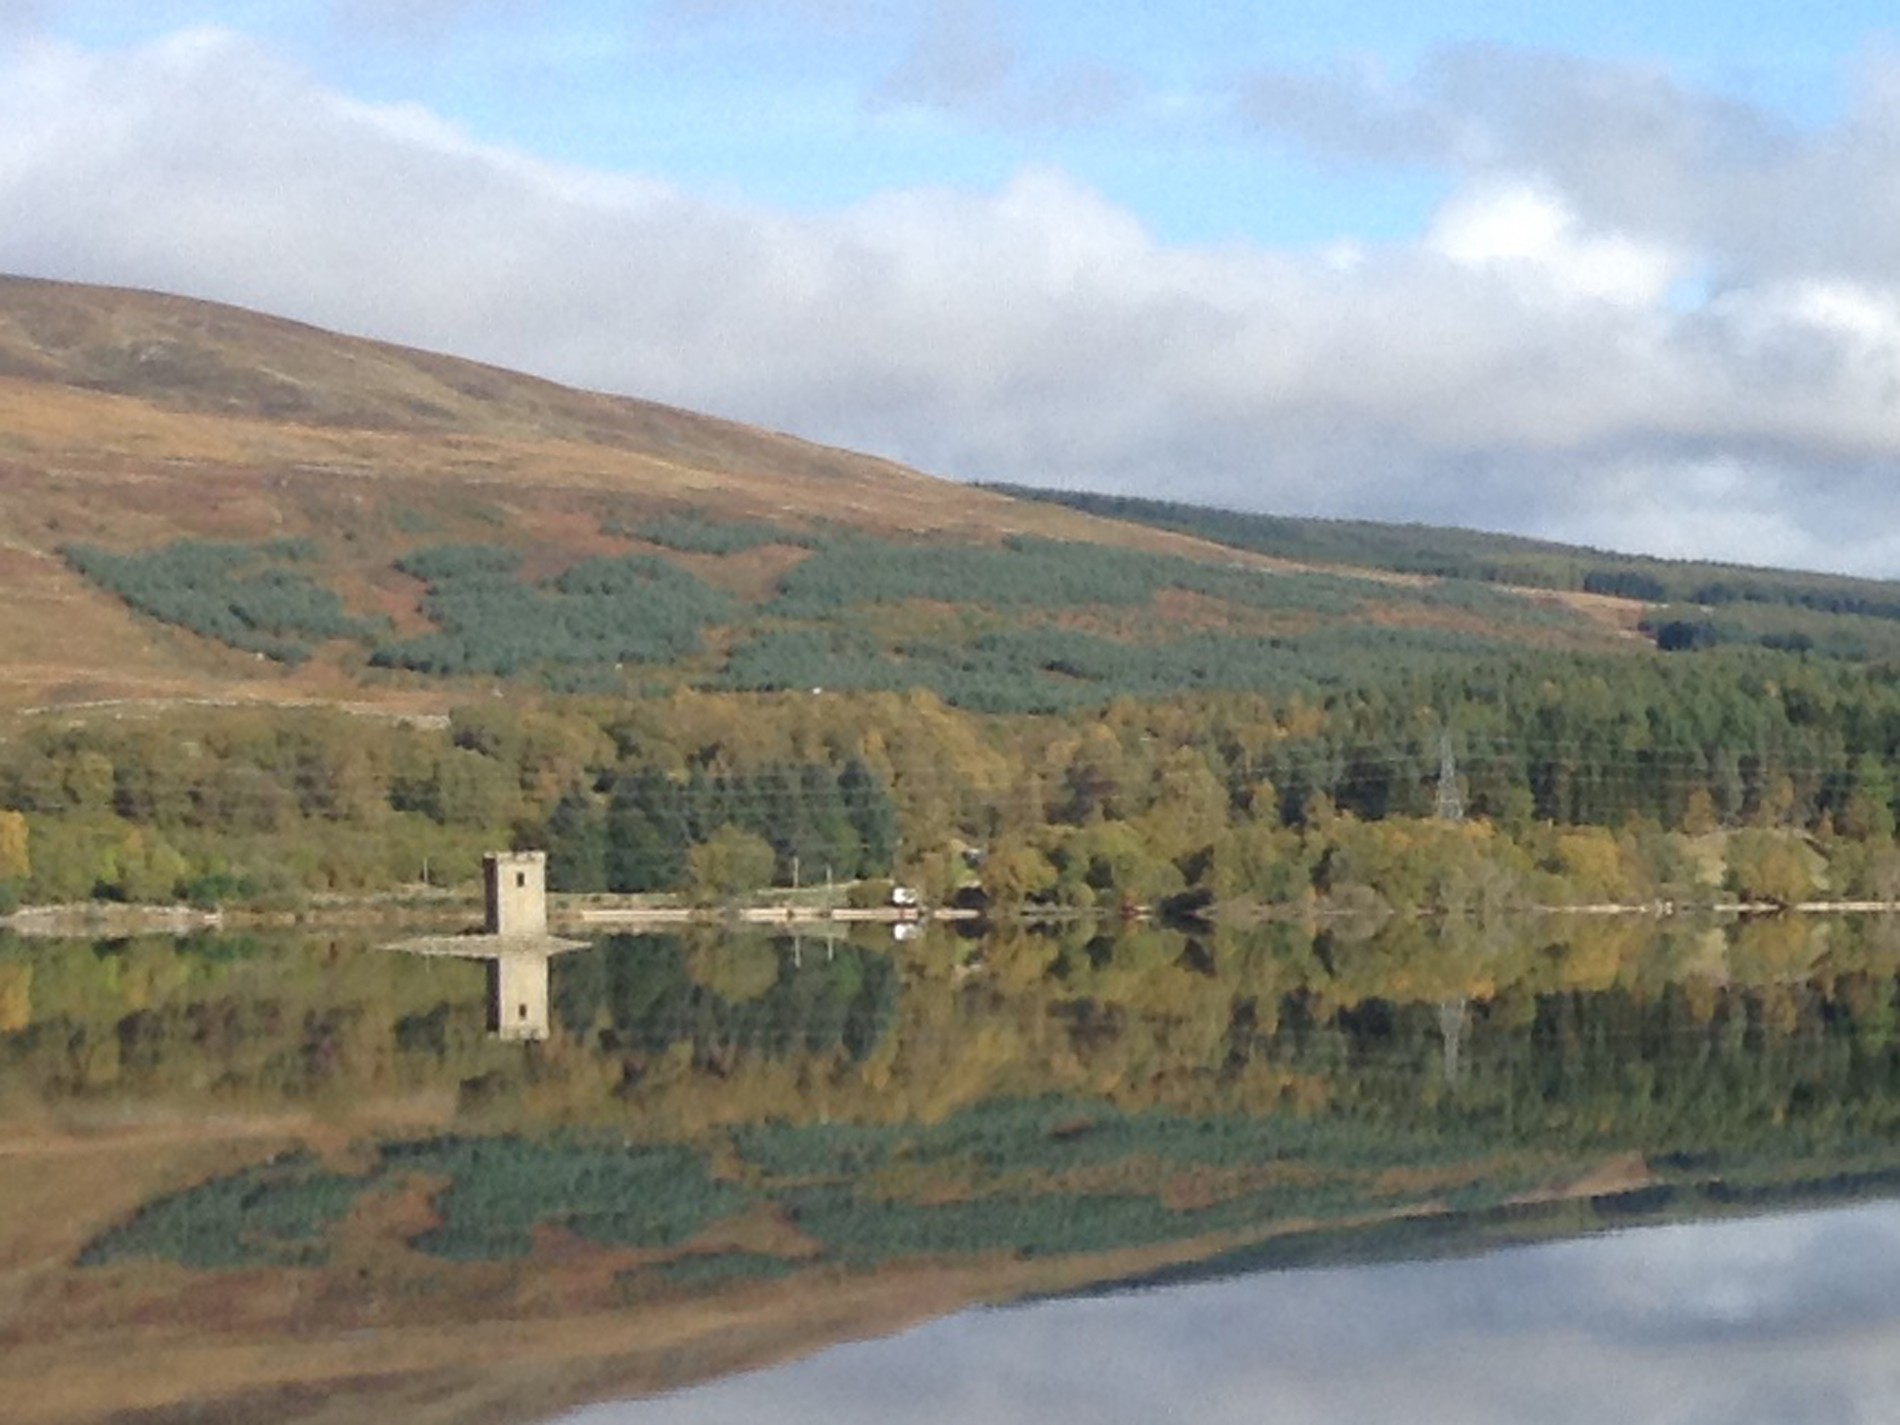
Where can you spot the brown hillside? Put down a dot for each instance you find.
(203, 358)
(192, 359)
(130, 419)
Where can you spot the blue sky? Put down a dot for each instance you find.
(805, 105)
(1615, 273)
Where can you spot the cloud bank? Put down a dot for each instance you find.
(1642, 317)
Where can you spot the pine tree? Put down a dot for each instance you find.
(647, 835)
(873, 817)
(577, 843)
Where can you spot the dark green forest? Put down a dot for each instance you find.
(258, 598)
(600, 613)
(1039, 625)
(1497, 558)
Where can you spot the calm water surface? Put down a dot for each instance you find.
(1552, 1171)
(1782, 1320)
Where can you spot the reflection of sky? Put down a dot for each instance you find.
(1791, 1320)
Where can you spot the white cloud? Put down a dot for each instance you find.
(1629, 148)
(1526, 228)
(1529, 364)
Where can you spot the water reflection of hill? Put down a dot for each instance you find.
(734, 1136)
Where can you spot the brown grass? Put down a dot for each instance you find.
(130, 419)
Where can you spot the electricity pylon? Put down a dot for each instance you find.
(1451, 803)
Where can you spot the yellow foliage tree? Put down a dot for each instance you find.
(16, 996)
(1593, 866)
(1769, 866)
(1014, 870)
(1700, 818)
(15, 863)
(729, 863)
(147, 867)
(1190, 808)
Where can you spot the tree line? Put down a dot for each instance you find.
(1612, 777)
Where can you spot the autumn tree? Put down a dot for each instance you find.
(729, 863)
(1593, 864)
(1868, 812)
(1014, 871)
(15, 864)
(737, 968)
(1769, 866)
(1257, 861)
(1190, 807)
(1115, 862)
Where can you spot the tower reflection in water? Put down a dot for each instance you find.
(514, 942)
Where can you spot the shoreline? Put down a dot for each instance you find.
(581, 913)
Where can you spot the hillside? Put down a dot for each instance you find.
(1688, 603)
(138, 426)
(130, 420)
(612, 619)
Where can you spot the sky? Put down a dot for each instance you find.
(1620, 274)
(1789, 1320)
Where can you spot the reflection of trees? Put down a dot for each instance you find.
(1774, 1037)
(653, 1000)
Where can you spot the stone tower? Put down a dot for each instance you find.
(515, 943)
(515, 885)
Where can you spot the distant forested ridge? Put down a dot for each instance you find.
(1029, 625)
(692, 659)
(1492, 558)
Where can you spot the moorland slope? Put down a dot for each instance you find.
(130, 420)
